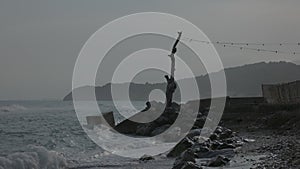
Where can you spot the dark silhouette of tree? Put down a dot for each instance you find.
(171, 83)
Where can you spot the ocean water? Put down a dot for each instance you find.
(47, 134)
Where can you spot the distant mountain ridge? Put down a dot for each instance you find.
(242, 81)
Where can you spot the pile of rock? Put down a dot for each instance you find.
(166, 116)
(162, 123)
(194, 151)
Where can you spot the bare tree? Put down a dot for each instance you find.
(171, 84)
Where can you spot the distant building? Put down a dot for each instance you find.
(285, 93)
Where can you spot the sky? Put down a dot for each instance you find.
(40, 40)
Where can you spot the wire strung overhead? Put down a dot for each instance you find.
(245, 45)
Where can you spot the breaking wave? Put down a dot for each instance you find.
(12, 107)
(35, 158)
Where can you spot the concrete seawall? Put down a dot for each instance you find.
(285, 93)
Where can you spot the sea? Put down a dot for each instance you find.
(51, 135)
(48, 134)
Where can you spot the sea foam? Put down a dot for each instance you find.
(35, 158)
(12, 107)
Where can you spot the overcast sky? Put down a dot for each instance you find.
(40, 39)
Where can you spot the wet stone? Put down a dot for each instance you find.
(190, 165)
(213, 137)
(186, 156)
(218, 161)
(146, 158)
(181, 147)
(193, 133)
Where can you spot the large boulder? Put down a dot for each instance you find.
(199, 123)
(218, 161)
(227, 133)
(186, 156)
(106, 118)
(160, 130)
(190, 165)
(145, 129)
(146, 158)
(183, 145)
(193, 133)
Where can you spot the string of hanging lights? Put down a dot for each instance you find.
(248, 45)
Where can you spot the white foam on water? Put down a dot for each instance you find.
(53, 125)
(12, 107)
(127, 146)
(35, 158)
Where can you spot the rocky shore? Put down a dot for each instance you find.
(250, 135)
(276, 131)
(260, 136)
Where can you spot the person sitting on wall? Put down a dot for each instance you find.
(148, 106)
